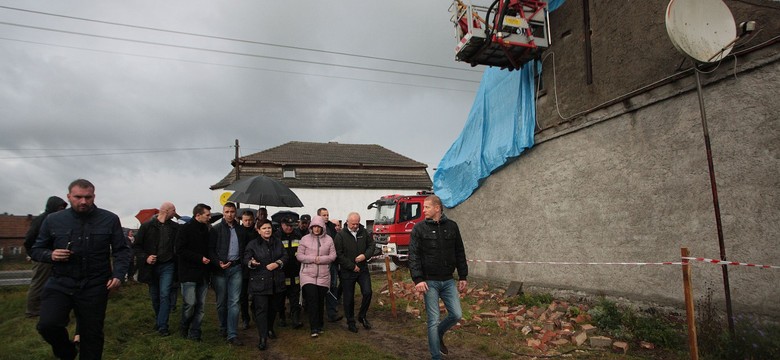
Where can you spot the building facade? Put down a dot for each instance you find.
(619, 170)
(12, 231)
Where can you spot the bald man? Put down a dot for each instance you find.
(153, 246)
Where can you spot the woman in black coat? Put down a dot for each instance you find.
(265, 257)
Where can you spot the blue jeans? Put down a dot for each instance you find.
(160, 292)
(193, 296)
(227, 286)
(448, 291)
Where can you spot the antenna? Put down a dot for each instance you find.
(702, 29)
(705, 30)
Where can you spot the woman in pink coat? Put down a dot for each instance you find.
(315, 252)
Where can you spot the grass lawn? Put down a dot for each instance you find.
(129, 334)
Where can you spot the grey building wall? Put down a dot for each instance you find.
(628, 182)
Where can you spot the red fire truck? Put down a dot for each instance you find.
(395, 218)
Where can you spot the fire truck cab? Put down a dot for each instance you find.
(395, 217)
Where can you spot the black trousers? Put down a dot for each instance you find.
(315, 305)
(265, 308)
(348, 281)
(89, 304)
(244, 301)
(292, 294)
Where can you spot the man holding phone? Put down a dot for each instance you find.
(79, 242)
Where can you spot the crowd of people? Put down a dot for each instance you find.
(309, 265)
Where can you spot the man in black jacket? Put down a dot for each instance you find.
(79, 242)
(354, 247)
(154, 250)
(226, 249)
(192, 247)
(435, 251)
(40, 270)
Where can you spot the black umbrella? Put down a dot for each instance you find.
(277, 218)
(262, 190)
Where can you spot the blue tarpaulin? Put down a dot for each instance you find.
(500, 126)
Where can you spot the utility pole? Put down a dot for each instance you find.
(237, 165)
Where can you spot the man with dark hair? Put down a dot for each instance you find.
(303, 225)
(154, 250)
(248, 222)
(435, 251)
(79, 241)
(354, 247)
(333, 297)
(40, 270)
(262, 214)
(290, 241)
(192, 246)
(226, 249)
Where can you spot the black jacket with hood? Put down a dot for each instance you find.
(54, 204)
(436, 250)
(93, 237)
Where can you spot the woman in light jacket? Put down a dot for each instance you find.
(265, 257)
(315, 252)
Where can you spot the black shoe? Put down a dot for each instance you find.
(164, 332)
(443, 348)
(223, 333)
(334, 319)
(297, 325)
(262, 345)
(353, 328)
(271, 334)
(365, 323)
(183, 332)
(235, 342)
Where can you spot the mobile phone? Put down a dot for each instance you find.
(67, 247)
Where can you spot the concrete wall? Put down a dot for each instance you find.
(629, 183)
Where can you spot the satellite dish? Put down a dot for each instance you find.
(701, 29)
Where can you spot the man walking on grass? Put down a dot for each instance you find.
(435, 251)
(79, 242)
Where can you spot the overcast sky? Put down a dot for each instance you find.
(81, 94)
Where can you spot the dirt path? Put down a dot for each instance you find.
(387, 333)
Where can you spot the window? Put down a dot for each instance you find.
(16, 250)
(409, 211)
(288, 173)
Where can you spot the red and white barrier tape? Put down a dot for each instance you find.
(575, 263)
(724, 262)
(712, 261)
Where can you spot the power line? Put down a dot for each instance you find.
(231, 52)
(237, 40)
(234, 66)
(124, 152)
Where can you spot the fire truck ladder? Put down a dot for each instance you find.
(518, 32)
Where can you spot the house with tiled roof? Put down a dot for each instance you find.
(13, 228)
(340, 177)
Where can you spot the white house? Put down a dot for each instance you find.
(340, 177)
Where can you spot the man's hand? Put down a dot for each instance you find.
(60, 255)
(224, 265)
(422, 287)
(462, 285)
(113, 284)
(360, 258)
(205, 261)
(272, 266)
(151, 260)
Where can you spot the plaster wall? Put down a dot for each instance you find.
(635, 188)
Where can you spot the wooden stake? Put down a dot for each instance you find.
(693, 344)
(390, 285)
